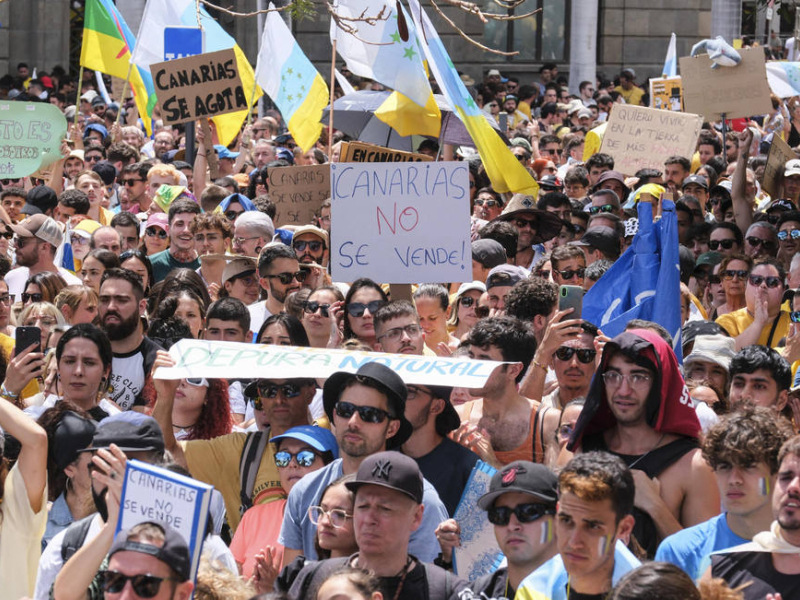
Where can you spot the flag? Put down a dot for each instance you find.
(628, 289)
(504, 170)
(671, 62)
(409, 118)
(159, 14)
(784, 78)
(291, 81)
(107, 47)
(387, 51)
(67, 258)
(347, 88)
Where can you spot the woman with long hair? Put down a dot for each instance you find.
(334, 520)
(320, 312)
(42, 287)
(463, 316)
(95, 264)
(185, 305)
(137, 261)
(78, 304)
(433, 307)
(363, 299)
(43, 315)
(282, 330)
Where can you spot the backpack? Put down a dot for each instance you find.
(75, 536)
(249, 462)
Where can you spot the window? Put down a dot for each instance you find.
(540, 37)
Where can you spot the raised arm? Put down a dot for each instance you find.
(742, 207)
(162, 411)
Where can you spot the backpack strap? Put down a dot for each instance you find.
(438, 582)
(75, 536)
(249, 462)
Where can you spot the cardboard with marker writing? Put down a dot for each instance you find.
(779, 153)
(363, 152)
(298, 192)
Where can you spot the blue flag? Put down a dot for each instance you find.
(644, 283)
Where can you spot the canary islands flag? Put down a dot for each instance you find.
(291, 81)
(107, 47)
(504, 170)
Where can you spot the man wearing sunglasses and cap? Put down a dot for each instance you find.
(279, 274)
(366, 410)
(535, 227)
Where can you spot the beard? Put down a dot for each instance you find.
(121, 330)
(100, 504)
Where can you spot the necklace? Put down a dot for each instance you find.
(402, 574)
(661, 439)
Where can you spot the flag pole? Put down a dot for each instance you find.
(330, 112)
(78, 97)
(124, 89)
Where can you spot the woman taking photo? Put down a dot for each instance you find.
(43, 315)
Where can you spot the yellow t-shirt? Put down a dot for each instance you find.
(737, 321)
(524, 108)
(7, 348)
(631, 96)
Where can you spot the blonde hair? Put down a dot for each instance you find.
(44, 307)
(73, 295)
(164, 171)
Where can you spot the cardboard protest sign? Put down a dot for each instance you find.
(30, 137)
(779, 153)
(298, 192)
(642, 138)
(232, 360)
(400, 223)
(151, 493)
(739, 91)
(198, 86)
(363, 152)
(666, 93)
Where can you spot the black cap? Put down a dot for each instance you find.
(551, 182)
(390, 470)
(40, 199)
(131, 431)
(525, 477)
(389, 382)
(697, 180)
(98, 100)
(107, 171)
(73, 434)
(603, 238)
(174, 552)
(489, 253)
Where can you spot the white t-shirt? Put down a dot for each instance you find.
(16, 278)
(258, 314)
(792, 53)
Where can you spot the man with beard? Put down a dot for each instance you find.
(120, 307)
(280, 275)
(534, 226)
(310, 243)
(138, 437)
(366, 410)
(181, 253)
(397, 329)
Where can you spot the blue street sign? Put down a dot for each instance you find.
(180, 42)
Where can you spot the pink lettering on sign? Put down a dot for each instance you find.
(408, 219)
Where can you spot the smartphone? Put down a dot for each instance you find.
(26, 337)
(502, 121)
(571, 296)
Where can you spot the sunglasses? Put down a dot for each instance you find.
(131, 182)
(715, 279)
(785, 235)
(304, 458)
(487, 203)
(145, 586)
(570, 273)
(31, 298)
(606, 208)
(301, 245)
(153, 232)
(368, 414)
(7, 234)
(728, 274)
(312, 307)
(232, 214)
(7, 299)
(523, 223)
(356, 309)
(585, 355)
(526, 513)
(197, 381)
(757, 280)
(267, 389)
(756, 242)
(726, 244)
(468, 301)
(286, 277)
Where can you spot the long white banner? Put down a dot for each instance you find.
(232, 360)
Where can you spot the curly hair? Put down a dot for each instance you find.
(215, 418)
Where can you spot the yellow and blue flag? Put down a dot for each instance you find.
(289, 78)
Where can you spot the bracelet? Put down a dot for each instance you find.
(439, 561)
(541, 366)
(5, 393)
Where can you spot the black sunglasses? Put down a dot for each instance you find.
(526, 513)
(606, 208)
(756, 242)
(368, 414)
(145, 586)
(756, 280)
(286, 277)
(8, 234)
(312, 307)
(268, 389)
(232, 214)
(31, 297)
(585, 355)
(300, 245)
(730, 274)
(570, 273)
(356, 309)
(156, 232)
(727, 244)
(131, 182)
(468, 301)
(304, 458)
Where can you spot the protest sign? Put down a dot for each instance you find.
(779, 153)
(739, 91)
(363, 152)
(30, 137)
(666, 93)
(642, 138)
(400, 223)
(232, 360)
(151, 493)
(298, 192)
(198, 86)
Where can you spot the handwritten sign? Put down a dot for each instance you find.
(779, 153)
(363, 152)
(400, 223)
(739, 91)
(298, 192)
(666, 93)
(198, 86)
(30, 137)
(151, 493)
(643, 138)
(231, 360)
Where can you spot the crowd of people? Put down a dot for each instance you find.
(619, 471)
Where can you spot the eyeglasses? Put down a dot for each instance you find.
(8, 234)
(232, 214)
(286, 278)
(785, 235)
(241, 240)
(414, 391)
(756, 242)
(31, 297)
(336, 516)
(635, 380)
(396, 333)
(729, 274)
(757, 280)
(606, 208)
(304, 458)
(131, 182)
(357, 309)
(312, 307)
(144, 586)
(22, 242)
(486, 202)
(197, 381)
(368, 414)
(526, 513)
(77, 239)
(585, 355)
(570, 273)
(301, 245)
(523, 223)
(726, 244)
(154, 231)
(7, 299)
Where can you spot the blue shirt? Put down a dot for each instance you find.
(298, 532)
(690, 548)
(58, 518)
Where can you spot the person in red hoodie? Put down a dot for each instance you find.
(638, 408)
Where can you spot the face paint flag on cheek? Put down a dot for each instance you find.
(547, 532)
(603, 543)
(763, 486)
